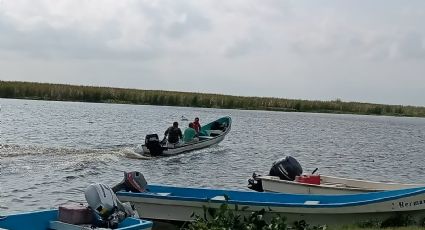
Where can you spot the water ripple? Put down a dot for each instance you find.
(51, 151)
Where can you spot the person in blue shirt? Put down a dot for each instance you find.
(190, 134)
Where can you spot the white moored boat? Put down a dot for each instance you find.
(210, 134)
(286, 177)
(180, 203)
(328, 185)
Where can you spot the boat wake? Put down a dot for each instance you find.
(132, 154)
(18, 150)
(11, 151)
(111, 153)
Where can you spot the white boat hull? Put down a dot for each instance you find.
(182, 211)
(166, 206)
(329, 185)
(188, 147)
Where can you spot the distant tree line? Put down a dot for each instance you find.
(60, 92)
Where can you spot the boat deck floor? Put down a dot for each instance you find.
(341, 185)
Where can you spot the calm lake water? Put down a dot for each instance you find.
(51, 151)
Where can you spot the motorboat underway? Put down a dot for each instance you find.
(210, 134)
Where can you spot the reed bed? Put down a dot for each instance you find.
(62, 92)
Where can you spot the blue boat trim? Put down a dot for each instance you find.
(40, 220)
(273, 199)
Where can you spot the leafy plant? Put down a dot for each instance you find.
(398, 220)
(302, 225)
(225, 218)
(370, 224)
(221, 218)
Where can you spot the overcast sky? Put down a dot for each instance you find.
(358, 50)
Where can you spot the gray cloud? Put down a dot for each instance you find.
(249, 46)
(45, 41)
(410, 45)
(354, 50)
(190, 21)
(48, 42)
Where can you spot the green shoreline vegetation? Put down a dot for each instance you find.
(62, 92)
(226, 218)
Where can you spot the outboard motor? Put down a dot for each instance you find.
(133, 181)
(286, 169)
(107, 209)
(255, 183)
(153, 144)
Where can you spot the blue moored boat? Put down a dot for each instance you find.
(179, 203)
(43, 220)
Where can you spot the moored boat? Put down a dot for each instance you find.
(180, 203)
(48, 219)
(328, 185)
(104, 211)
(210, 134)
(286, 176)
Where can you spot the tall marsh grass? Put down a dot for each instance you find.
(60, 92)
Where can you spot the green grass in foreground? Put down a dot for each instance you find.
(59, 92)
(226, 218)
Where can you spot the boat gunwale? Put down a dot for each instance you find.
(138, 222)
(329, 185)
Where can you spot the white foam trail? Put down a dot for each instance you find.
(130, 153)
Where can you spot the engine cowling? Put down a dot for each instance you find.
(153, 144)
(101, 199)
(107, 209)
(286, 168)
(133, 182)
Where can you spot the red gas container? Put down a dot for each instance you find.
(308, 179)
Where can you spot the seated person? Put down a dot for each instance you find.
(196, 125)
(190, 134)
(174, 134)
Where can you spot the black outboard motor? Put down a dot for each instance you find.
(153, 144)
(286, 168)
(133, 181)
(255, 183)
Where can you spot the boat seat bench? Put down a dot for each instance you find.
(335, 185)
(215, 132)
(218, 198)
(311, 202)
(164, 193)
